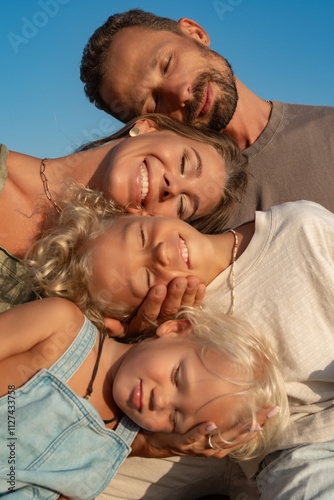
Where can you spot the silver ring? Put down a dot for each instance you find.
(210, 442)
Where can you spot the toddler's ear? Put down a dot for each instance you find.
(115, 327)
(174, 327)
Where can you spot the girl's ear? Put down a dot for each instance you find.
(174, 327)
(193, 30)
(145, 126)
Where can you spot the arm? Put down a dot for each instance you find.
(33, 336)
(25, 326)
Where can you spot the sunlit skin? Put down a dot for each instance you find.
(160, 71)
(138, 252)
(158, 169)
(163, 385)
(166, 173)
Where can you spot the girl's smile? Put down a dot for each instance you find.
(154, 251)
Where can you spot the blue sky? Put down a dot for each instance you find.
(281, 49)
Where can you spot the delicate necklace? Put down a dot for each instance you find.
(46, 185)
(234, 258)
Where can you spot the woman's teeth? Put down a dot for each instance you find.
(143, 182)
(184, 250)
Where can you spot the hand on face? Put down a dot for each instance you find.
(195, 442)
(162, 303)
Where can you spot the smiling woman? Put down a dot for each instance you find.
(159, 164)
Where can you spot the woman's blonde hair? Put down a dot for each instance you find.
(258, 374)
(233, 160)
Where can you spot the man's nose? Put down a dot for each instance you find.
(161, 254)
(176, 95)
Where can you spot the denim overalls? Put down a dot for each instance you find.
(58, 441)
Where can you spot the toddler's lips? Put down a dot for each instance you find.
(137, 397)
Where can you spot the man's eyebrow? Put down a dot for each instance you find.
(151, 67)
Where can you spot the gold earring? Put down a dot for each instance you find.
(134, 132)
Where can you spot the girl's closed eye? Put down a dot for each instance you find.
(142, 234)
(175, 376)
(143, 242)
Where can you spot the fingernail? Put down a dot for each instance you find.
(181, 286)
(159, 292)
(211, 427)
(256, 427)
(273, 412)
(192, 285)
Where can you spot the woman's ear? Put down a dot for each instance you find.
(174, 328)
(145, 126)
(193, 30)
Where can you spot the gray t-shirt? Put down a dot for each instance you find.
(293, 159)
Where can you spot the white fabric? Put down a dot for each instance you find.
(285, 285)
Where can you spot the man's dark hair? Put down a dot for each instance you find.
(95, 54)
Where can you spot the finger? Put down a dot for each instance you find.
(200, 295)
(190, 292)
(173, 300)
(149, 310)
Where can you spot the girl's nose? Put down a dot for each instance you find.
(161, 254)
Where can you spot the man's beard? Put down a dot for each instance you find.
(223, 107)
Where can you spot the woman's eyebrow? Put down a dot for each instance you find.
(199, 163)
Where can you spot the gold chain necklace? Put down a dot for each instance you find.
(46, 185)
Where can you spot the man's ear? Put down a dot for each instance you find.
(174, 328)
(145, 126)
(192, 29)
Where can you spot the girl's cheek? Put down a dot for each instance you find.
(154, 424)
